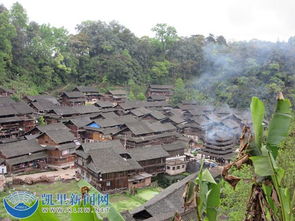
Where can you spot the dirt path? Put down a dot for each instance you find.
(61, 174)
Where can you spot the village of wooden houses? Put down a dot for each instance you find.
(115, 144)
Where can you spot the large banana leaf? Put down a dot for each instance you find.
(279, 126)
(257, 113)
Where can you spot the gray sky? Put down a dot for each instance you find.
(235, 19)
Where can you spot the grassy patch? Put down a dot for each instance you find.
(148, 193)
(123, 202)
(39, 189)
(128, 202)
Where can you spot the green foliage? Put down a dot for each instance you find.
(286, 158)
(109, 54)
(41, 121)
(166, 35)
(208, 196)
(234, 201)
(264, 161)
(179, 93)
(41, 216)
(136, 91)
(257, 111)
(112, 215)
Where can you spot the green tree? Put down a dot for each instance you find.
(179, 93)
(166, 35)
(7, 32)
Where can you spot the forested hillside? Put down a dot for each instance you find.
(36, 58)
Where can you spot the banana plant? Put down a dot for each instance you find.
(269, 200)
(203, 195)
(277, 199)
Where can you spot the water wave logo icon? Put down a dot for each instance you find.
(21, 204)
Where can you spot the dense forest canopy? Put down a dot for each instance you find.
(36, 58)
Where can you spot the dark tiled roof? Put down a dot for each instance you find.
(150, 137)
(81, 121)
(43, 105)
(144, 127)
(230, 123)
(141, 111)
(43, 98)
(104, 104)
(128, 105)
(20, 148)
(158, 86)
(82, 109)
(6, 100)
(7, 111)
(19, 108)
(147, 153)
(155, 97)
(108, 122)
(86, 89)
(23, 108)
(118, 92)
(86, 109)
(168, 201)
(60, 136)
(73, 94)
(53, 126)
(178, 119)
(178, 145)
(27, 158)
(106, 131)
(157, 115)
(10, 119)
(65, 146)
(106, 157)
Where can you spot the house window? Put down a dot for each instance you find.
(168, 168)
(182, 166)
(178, 167)
(173, 168)
(108, 183)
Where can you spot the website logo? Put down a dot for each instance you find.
(21, 204)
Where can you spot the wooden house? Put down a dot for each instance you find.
(159, 90)
(23, 156)
(64, 113)
(76, 125)
(38, 130)
(176, 148)
(148, 114)
(92, 134)
(73, 98)
(15, 119)
(156, 97)
(115, 96)
(162, 207)
(4, 92)
(109, 167)
(105, 105)
(60, 147)
(44, 98)
(151, 158)
(142, 133)
(91, 93)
